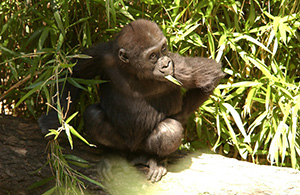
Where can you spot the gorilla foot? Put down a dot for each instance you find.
(156, 171)
(156, 168)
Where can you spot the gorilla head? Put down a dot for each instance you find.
(143, 45)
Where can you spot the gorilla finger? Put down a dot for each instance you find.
(164, 171)
(155, 176)
(160, 173)
(150, 173)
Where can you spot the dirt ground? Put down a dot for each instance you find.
(23, 159)
(22, 150)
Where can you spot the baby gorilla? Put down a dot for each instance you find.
(141, 112)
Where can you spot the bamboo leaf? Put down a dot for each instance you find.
(237, 120)
(262, 67)
(258, 121)
(81, 56)
(71, 117)
(74, 132)
(53, 132)
(219, 132)
(283, 29)
(248, 101)
(32, 91)
(40, 183)
(59, 22)
(240, 84)
(79, 21)
(251, 39)
(91, 180)
(211, 44)
(51, 191)
(67, 128)
(292, 134)
(173, 80)
(43, 37)
(76, 84)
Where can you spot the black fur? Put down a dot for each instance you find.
(141, 111)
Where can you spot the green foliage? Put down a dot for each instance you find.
(67, 179)
(253, 114)
(256, 111)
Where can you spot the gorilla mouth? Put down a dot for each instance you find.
(173, 80)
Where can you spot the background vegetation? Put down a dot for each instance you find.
(253, 114)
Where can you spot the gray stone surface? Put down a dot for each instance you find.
(202, 173)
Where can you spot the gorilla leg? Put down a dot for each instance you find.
(99, 129)
(165, 139)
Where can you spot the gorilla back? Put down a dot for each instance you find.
(140, 110)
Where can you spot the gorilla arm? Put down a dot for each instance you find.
(200, 76)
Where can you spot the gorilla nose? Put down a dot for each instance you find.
(170, 63)
(166, 67)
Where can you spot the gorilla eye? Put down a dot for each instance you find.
(164, 48)
(153, 57)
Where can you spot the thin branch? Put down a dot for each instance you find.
(18, 84)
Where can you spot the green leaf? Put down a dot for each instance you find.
(196, 40)
(240, 84)
(238, 121)
(262, 67)
(67, 65)
(53, 132)
(173, 80)
(77, 161)
(283, 29)
(32, 91)
(59, 22)
(91, 180)
(292, 136)
(76, 84)
(40, 84)
(219, 132)
(251, 39)
(226, 148)
(67, 129)
(51, 191)
(81, 56)
(276, 23)
(74, 132)
(79, 21)
(211, 44)
(75, 158)
(60, 42)
(89, 81)
(71, 117)
(258, 121)
(189, 30)
(40, 183)
(43, 37)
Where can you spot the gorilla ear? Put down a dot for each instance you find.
(123, 56)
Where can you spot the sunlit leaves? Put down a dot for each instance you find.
(259, 101)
